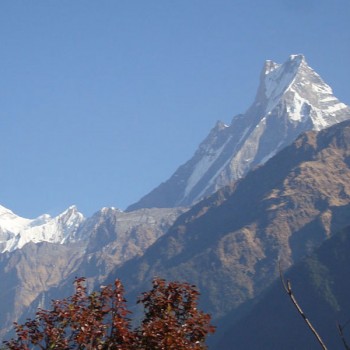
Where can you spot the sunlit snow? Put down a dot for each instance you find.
(16, 231)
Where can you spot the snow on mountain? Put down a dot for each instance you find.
(16, 231)
(291, 99)
(307, 96)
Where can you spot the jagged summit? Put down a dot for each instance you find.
(16, 231)
(291, 65)
(306, 97)
(276, 78)
(291, 99)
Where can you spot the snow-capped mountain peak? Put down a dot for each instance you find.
(16, 231)
(306, 97)
(292, 98)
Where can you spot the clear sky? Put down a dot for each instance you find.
(102, 100)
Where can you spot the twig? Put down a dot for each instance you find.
(341, 333)
(288, 288)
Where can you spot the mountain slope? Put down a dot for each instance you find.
(27, 272)
(321, 284)
(229, 244)
(291, 99)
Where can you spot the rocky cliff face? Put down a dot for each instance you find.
(291, 99)
(116, 237)
(229, 244)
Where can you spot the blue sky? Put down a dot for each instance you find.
(101, 101)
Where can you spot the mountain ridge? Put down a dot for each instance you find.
(291, 99)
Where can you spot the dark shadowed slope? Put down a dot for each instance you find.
(321, 284)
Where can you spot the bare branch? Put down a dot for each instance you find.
(288, 288)
(341, 333)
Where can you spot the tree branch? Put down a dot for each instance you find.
(341, 333)
(288, 288)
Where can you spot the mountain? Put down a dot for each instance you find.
(320, 283)
(291, 99)
(283, 203)
(16, 231)
(229, 244)
(52, 259)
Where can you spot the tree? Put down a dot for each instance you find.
(100, 321)
(172, 319)
(82, 321)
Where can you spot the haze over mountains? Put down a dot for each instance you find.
(270, 187)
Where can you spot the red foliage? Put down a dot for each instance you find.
(172, 319)
(100, 321)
